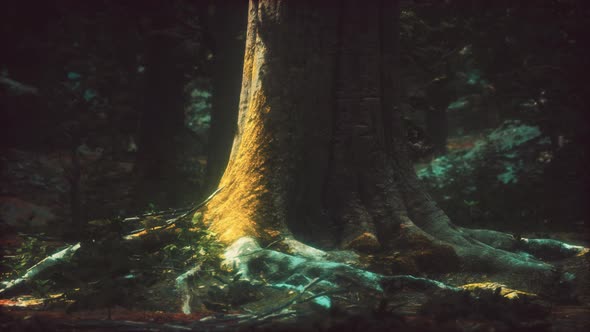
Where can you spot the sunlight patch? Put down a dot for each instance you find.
(504, 291)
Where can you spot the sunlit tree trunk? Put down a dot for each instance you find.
(316, 124)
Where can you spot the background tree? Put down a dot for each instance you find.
(511, 61)
(227, 23)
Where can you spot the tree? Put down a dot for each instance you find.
(319, 152)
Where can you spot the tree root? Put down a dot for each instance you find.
(319, 278)
(541, 248)
(486, 250)
(277, 269)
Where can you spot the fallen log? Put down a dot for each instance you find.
(50, 261)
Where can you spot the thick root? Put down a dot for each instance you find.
(475, 255)
(541, 248)
(245, 256)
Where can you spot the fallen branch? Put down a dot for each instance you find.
(170, 222)
(17, 88)
(69, 251)
(36, 269)
(289, 302)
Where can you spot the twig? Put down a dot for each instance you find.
(158, 213)
(289, 302)
(268, 314)
(203, 203)
(171, 222)
(269, 317)
(330, 292)
(18, 88)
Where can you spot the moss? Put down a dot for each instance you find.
(500, 289)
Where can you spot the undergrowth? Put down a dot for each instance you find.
(108, 270)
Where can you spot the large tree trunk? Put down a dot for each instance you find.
(312, 121)
(319, 153)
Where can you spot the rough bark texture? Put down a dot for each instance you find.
(319, 151)
(314, 128)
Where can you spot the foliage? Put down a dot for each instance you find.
(195, 245)
(110, 270)
(198, 107)
(111, 266)
(502, 177)
(31, 251)
(468, 183)
(499, 145)
(488, 63)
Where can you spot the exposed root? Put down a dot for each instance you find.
(245, 256)
(475, 254)
(317, 279)
(541, 248)
(277, 269)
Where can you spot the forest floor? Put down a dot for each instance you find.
(404, 311)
